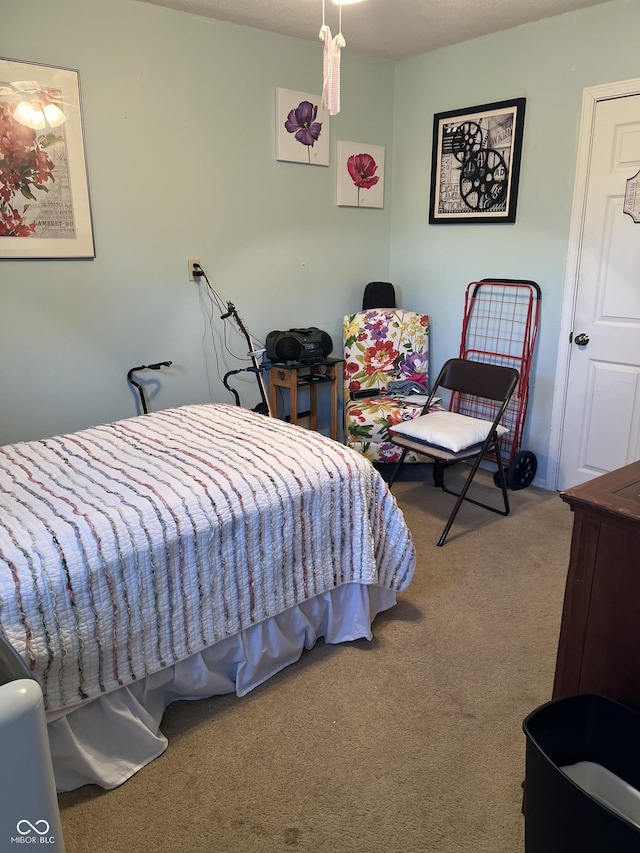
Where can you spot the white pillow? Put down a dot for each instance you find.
(447, 429)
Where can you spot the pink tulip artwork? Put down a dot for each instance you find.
(360, 175)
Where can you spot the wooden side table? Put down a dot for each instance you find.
(296, 374)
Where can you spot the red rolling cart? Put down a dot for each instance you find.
(500, 327)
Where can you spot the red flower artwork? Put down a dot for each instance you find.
(362, 168)
(362, 171)
(24, 167)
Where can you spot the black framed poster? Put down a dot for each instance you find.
(475, 167)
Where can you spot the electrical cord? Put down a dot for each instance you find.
(211, 303)
(222, 306)
(217, 303)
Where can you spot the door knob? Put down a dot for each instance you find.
(581, 340)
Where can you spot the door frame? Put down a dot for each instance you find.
(590, 98)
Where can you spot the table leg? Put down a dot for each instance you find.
(293, 398)
(313, 412)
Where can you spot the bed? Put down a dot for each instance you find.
(182, 554)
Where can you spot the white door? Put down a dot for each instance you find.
(601, 412)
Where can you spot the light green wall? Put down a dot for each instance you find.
(179, 127)
(549, 63)
(179, 117)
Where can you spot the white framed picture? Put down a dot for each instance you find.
(302, 128)
(360, 170)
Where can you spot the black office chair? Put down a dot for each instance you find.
(447, 436)
(379, 294)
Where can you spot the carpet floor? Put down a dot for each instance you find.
(411, 743)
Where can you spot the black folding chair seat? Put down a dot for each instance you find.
(447, 437)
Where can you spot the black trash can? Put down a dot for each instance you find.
(582, 777)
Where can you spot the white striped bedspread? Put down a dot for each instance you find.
(127, 547)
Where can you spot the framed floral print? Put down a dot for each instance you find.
(302, 128)
(360, 172)
(475, 167)
(44, 193)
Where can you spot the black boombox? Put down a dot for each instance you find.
(305, 345)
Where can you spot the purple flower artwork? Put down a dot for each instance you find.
(360, 175)
(302, 129)
(302, 122)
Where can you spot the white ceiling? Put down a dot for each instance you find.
(391, 29)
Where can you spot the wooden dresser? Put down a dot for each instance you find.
(599, 646)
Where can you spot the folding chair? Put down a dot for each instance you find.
(447, 436)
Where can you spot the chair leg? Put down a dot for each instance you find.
(459, 501)
(503, 481)
(397, 466)
(462, 496)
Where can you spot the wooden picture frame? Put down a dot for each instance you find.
(475, 167)
(46, 212)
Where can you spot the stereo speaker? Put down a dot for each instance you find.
(304, 345)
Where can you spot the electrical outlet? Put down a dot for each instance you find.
(190, 265)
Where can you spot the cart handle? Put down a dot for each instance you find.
(532, 284)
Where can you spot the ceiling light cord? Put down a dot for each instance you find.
(331, 65)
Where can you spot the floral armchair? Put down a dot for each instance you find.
(383, 346)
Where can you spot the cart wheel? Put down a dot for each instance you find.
(522, 470)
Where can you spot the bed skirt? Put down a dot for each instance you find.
(108, 739)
